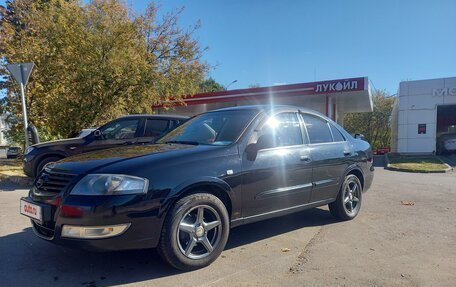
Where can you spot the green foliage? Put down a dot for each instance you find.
(94, 62)
(210, 85)
(374, 126)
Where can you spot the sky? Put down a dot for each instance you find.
(276, 42)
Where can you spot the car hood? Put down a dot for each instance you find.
(70, 141)
(87, 162)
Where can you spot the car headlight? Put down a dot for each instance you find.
(110, 184)
(29, 150)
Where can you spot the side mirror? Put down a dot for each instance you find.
(359, 136)
(263, 142)
(97, 134)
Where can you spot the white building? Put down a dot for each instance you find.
(423, 111)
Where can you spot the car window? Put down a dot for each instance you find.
(285, 128)
(155, 127)
(121, 129)
(337, 135)
(318, 129)
(214, 128)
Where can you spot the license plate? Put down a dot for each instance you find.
(31, 210)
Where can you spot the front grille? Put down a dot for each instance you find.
(50, 182)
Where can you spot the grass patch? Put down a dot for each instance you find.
(419, 163)
(11, 166)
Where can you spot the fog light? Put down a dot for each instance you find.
(93, 232)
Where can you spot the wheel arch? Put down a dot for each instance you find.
(214, 186)
(46, 155)
(357, 171)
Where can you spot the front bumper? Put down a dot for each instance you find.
(141, 216)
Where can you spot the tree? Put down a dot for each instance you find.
(374, 126)
(210, 85)
(94, 61)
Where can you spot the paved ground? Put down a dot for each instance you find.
(388, 244)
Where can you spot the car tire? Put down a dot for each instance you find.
(195, 232)
(348, 201)
(44, 162)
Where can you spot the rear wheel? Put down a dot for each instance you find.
(195, 232)
(348, 202)
(44, 162)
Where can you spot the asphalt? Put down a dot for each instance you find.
(390, 243)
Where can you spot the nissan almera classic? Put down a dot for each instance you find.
(219, 170)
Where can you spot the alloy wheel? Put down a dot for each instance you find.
(351, 197)
(199, 232)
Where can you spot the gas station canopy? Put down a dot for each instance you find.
(333, 98)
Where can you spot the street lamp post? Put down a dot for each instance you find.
(227, 86)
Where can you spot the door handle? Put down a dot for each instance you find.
(305, 158)
(128, 143)
(347, 153)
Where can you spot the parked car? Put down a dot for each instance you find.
(13, 152)
(127, 130)
(446, 143)
(218, 170)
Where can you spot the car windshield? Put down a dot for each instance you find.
(213, 128)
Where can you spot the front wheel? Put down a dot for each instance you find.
(195, 232)
(348, 202)
(44, 162)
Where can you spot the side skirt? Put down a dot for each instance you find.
(277, 213)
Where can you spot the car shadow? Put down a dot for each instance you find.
(25, 258)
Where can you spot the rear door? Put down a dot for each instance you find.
(279, 177)
(330, 153)
(154, 128)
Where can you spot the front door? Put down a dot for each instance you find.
(280, 176)
(121, 132)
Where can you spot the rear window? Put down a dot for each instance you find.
(337, 135)
(318, 129)
(155, 128)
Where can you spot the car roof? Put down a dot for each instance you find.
(158, 116)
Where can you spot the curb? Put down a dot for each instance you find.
(19, 180)
(389, 167)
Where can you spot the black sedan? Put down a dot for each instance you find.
(134, 129)
(218, 170)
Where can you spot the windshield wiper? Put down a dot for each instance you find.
(183, 142)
